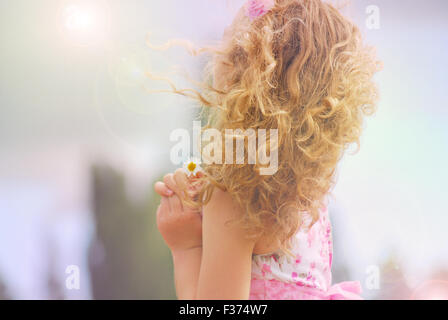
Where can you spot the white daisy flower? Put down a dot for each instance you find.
(192, 166)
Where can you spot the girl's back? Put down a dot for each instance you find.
(304, 275)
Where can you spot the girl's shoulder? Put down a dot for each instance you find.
(223, 205)
(265, 245)
(220, 210)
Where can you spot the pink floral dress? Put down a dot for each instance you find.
(307, 275)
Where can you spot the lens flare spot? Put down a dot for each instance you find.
(84, 23)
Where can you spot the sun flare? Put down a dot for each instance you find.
(85, 22)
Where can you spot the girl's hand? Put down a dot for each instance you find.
(180, 226)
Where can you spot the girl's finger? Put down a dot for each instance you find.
(181, 179)
(199, 174)
(171, 184)
(164, 209)
(175, 204)
(162, 189)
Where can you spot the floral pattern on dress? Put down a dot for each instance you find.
(307, 275)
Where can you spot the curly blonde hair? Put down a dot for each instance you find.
(301, 69)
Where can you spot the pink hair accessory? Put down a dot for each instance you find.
(258, 8)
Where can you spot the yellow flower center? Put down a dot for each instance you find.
(191, 166)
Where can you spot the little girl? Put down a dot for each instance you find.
(300, 67)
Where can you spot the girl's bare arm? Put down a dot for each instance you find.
(212, 259)
(187, 264)
(225, 271)
(181, 228)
